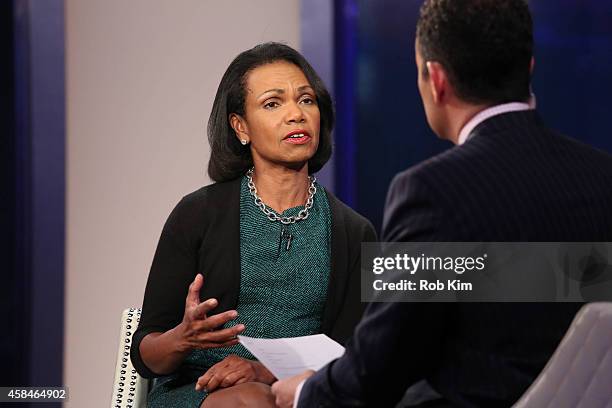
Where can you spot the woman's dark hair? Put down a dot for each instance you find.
(485, 46)
(229, 159)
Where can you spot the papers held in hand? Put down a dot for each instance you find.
(291, 356)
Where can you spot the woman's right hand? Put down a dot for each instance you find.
(201, 332)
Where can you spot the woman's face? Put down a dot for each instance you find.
(282, 118)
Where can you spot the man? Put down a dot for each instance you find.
(509, 178)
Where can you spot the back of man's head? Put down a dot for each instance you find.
(485, 46)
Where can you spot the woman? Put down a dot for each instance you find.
(271, 253)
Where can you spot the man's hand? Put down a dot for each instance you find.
(234, 370)
(284, 390)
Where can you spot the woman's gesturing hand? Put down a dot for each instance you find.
(234, 370)
(198, 330)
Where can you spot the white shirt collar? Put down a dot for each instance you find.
(493, 111)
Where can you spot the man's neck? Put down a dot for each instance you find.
(489, 112)
(458, 116)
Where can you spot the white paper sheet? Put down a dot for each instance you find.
(290, 356)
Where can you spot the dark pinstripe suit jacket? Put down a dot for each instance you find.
(514, 180)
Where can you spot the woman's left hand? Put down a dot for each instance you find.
(234, 370)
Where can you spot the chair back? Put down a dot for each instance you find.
(129, 388)
(579, 374)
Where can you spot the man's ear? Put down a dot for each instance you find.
(438, 82)
(240, 127)
(531, 65)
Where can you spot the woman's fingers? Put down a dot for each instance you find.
(214, 382)
(218, 320)
(212, 323)
(232, 378)
(202, 331)
(199, 312)
(193, 294)
(203, 381)
(230, 371)
(218, 345)
(212, 378)
(205, 378)
(223, 335)
(225, 377)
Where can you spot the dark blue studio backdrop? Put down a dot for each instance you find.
(572, 82)
(32, 188)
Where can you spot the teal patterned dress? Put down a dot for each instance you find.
(282, 291)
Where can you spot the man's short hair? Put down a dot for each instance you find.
(485, 46)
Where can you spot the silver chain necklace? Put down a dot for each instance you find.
(272, 216)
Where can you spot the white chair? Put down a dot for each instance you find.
(579, 374)
(129, 388)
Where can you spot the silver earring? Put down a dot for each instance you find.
(243, 141)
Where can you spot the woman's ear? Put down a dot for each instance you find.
(240, 128)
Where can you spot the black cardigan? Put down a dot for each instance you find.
(202, 235)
